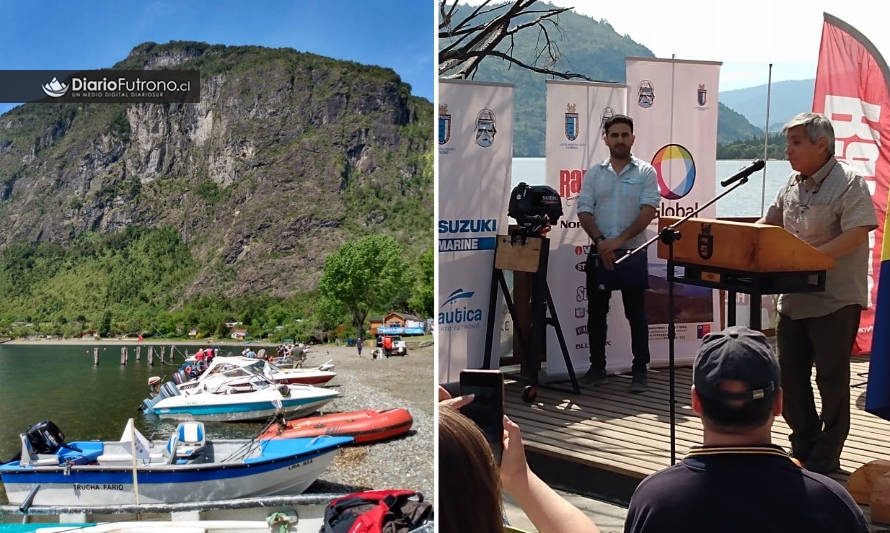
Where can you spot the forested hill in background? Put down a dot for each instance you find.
(140, 208)
(593, 48)
(786, 99)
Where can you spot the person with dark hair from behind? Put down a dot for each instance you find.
(470, 482)
(738, 480)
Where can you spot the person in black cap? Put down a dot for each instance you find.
(738, 480)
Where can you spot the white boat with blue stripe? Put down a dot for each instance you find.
(187, 467)
(236, 392)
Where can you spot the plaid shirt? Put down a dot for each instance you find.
(615, 200)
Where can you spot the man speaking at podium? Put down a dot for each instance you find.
(828, 205)
(618, 200)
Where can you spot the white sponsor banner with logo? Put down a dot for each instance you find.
(475, 132)
(674, 107)
(575, 115)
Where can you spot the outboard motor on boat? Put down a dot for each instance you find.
(167, 390)
(45, 437)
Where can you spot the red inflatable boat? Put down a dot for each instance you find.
(364, 426)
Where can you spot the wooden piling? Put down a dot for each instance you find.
(123, 357)
(150, 356)
(96, 356)
(138, 353)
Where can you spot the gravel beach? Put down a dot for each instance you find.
(366, 383)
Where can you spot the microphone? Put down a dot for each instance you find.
(744, 173)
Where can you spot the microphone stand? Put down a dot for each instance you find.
(668, 235)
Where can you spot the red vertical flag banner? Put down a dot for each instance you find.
(852, 91)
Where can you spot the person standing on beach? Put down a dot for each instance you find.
(358, 346)
(738, 480)
(828, 205)
(619, 198)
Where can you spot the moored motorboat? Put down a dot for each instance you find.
(233, 392)
(187, 467)
(258, 404)
(193, 374)
(364, 426)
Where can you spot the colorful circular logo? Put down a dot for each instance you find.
(676, 171)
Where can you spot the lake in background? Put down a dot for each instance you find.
(742, 202)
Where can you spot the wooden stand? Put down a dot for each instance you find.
(531, 255)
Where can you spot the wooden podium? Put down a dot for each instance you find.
(755, 259)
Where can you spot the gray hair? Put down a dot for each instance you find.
(817, 126)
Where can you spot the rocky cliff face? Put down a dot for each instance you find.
(287, 156)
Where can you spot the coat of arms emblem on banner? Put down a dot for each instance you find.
(444, 124)
(702, 94)
(571, 123)
(646, 94)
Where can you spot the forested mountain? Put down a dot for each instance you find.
(142, 208)
(786, 99)
(587, 46)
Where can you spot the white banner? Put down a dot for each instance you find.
(674, 107)
(575, 115)
(474, 167)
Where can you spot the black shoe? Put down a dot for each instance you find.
(639, 382)
(593, 376)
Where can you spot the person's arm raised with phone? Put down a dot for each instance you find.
(547, 510)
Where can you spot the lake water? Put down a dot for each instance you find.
(60, 383)
(745, 201)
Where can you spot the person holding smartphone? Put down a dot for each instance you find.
(487, 407)
(470, 482)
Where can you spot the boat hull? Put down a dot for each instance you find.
(241, 406)
(102, 485)
(364, 426)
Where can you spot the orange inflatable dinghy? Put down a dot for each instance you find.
(364, 426)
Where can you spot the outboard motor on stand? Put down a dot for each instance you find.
(45, 437)
(535, 208)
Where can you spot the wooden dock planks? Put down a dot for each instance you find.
(607, 428)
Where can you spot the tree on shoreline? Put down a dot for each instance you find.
(359, 277)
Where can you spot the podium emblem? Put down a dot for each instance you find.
(705, 242)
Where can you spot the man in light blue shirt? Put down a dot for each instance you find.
(619, 198)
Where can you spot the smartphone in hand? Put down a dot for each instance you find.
(487, 407)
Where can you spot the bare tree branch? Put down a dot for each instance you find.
(474, 38)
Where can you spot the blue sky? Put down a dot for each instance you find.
(46, 35)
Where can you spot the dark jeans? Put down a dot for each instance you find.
(826, 341)
(635, 312)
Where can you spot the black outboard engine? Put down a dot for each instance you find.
(45, 437)
(535, 208)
